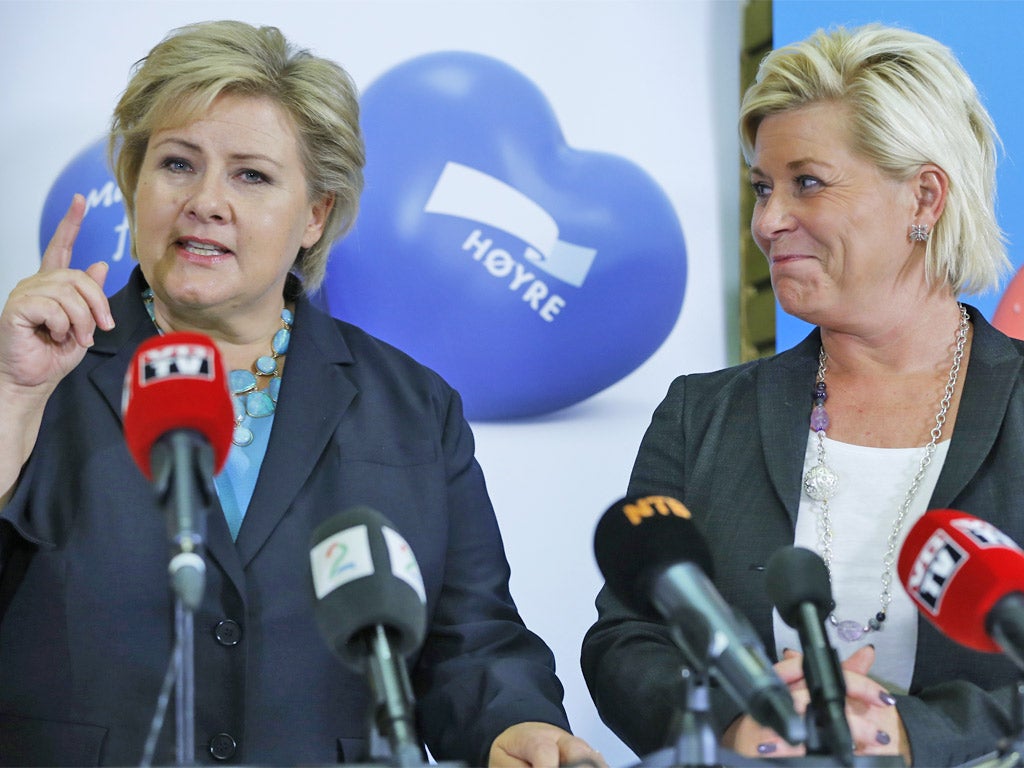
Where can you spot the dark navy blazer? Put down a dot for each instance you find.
(730, 445)
(87, 623)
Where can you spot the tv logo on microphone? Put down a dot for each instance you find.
(933, 570)
(193, 361)
(340, 558)
(984, 534)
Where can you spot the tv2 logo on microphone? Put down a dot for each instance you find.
(340, 558)
(933, 570)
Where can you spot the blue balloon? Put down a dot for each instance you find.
(531, 275)
(104, 234)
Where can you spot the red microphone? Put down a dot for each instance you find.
(967, 578)
(178, 420)
(176, 382)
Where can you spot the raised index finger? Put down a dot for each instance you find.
(58, 252)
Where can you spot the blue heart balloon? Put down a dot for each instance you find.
(529, 274)
(104, 234)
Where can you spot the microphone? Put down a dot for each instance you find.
(798, 584)
(967, 578)
(655, 561)
(371, 609)
(178, 419)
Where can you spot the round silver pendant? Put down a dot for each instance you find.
(820, 482)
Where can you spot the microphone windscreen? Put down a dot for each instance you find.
(955, 567)
(176, 381)
(639, 537)
(794, 576)
(365, 575)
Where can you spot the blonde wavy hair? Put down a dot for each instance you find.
(910, 103)
(186, 72)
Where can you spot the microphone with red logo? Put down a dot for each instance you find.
(967, 578)
(178, 420)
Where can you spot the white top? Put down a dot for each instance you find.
(872, 483)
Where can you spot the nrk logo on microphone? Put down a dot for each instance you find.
(176, 361)
(530, 274)
(934, 568)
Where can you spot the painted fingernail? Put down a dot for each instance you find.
(766, 749)
(887, 698)
(882, 737)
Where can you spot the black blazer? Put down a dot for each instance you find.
(730, 445)
(88, 628)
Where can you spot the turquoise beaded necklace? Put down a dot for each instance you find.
(249, 400)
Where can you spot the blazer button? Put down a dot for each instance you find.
(228, 632)
(222, 746)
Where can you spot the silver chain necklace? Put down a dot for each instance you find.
(821, 482)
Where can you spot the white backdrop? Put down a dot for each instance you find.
(655, 81)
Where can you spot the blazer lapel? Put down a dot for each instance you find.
(133, 327)
(785, 380)
(992, 371)
(315, 393)
(784, 387)
(119, 345)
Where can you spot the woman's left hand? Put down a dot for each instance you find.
(875, 724)
(541, 745)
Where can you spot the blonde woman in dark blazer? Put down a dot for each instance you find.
(240, 161)
(872, 162)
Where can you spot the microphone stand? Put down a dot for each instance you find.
(392, 705)
(183, 477)
(694, 740)
(184, 700)
(1012, 750)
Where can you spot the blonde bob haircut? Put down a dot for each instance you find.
(909, 102)
(186, 72)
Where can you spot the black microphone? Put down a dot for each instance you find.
(655, 561)
(371, 609)
(798, 584)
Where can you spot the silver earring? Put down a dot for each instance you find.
(919, 233)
